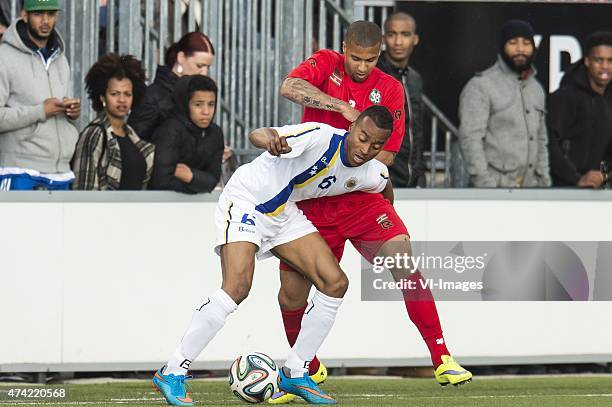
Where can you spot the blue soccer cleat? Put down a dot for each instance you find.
(304, 387)
(172, 388)
(282, 397)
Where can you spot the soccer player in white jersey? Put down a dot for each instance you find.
(257, 217)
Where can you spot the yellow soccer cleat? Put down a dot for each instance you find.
(283, 398)
(451, 372)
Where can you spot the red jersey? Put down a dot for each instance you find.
(325, 70)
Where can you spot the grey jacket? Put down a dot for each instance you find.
(503, 129)
(27, 138)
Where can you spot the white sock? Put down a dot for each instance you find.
(316, 324)
(207, 320)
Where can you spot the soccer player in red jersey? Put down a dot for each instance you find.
(334, 88)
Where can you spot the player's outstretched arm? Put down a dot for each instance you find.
(303, 93)
(269, 139)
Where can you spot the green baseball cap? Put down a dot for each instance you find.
(41, 5)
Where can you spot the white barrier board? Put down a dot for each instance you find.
(90, 283)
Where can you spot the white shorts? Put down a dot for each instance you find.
(237, 221)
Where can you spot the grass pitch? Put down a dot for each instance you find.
(570, 391)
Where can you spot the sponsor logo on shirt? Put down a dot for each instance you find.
(375, 96)
(336, 77)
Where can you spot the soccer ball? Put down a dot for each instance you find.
(253, 377)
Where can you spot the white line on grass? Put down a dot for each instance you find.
(395, 396)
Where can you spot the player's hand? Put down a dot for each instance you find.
(277, 145)
(73, 108)
(349, 113)
(591, 179)
(183, 173)
(53, 107)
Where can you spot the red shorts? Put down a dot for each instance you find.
(367, 220)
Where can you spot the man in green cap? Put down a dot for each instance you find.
(37, 137)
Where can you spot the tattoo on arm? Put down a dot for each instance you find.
(312, 102)
(303, 93)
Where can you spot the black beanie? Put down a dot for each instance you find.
(514, 29)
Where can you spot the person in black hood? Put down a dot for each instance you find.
(193, 54)
(580, 118)
(189, 146)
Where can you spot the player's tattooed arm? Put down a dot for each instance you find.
(269, 139)
(302, 92)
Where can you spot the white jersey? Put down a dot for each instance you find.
(315, 167)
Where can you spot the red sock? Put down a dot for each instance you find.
(293, 323)
(422, 311)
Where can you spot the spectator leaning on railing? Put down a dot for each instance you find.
(193, 54)
(109, 154)
(502, 112)
(580, 118)
(189, 146)
(37, 139)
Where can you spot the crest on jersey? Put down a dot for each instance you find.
(312, 62)
(350, 183)
(336, 77)
(397, 114)
(375, 96)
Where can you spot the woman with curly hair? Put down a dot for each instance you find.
(109, 154)
(193, 54)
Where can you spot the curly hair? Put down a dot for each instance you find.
(111, 66)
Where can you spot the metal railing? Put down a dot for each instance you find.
(257, 43)
(450, 160)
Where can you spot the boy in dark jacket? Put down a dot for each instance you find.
(580, 118)
(189, 146)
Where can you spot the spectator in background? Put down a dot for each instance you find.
(192, 55)
(37, 138)
(580, 118)
(502, 113)
(109, 154)
(5, 16)
(400, 36)
(189, 146)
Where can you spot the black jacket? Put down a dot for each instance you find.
(580, 127)
(408, 169)
(156, 105)
(179, 141)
